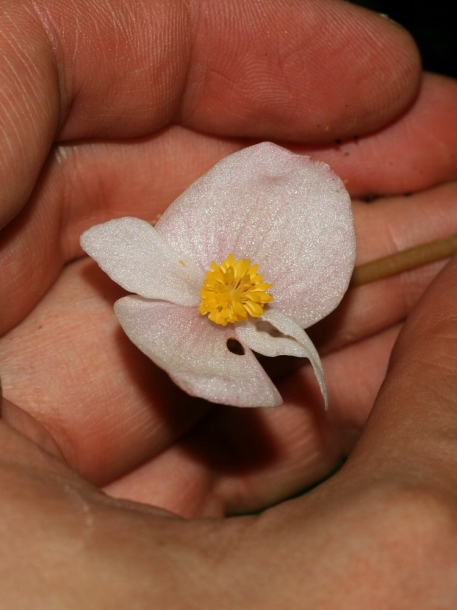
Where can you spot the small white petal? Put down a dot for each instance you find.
(290, 215)
(293, 341)
(194, 353)
(136, 257)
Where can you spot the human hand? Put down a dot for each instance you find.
(379, 534)
(135, 120)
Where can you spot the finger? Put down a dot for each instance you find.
(415, 152)
(413, 427)
(282, 70)
(82, 185)
(93, 182)
(108, 407)
(384, 227)
(152, 61)
(117, 182)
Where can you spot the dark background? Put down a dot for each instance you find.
(432, 26)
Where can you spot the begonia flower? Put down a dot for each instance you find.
(259, 248)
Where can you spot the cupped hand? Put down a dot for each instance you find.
(111, 110)
(381, 533)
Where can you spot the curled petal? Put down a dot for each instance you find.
(286, 213)
(291, 340)
(194, 353)
(135, 256)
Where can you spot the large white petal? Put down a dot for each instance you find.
(194, 353)
(289, 214)
(292, 341)
(135, 256)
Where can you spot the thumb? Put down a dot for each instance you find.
(413, 427)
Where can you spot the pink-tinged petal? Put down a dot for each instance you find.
(289, 214)
(194, 353)
(137, 258)
(261, 337)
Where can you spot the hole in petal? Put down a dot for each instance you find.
(234, 346)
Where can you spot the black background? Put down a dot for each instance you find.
(432, 26)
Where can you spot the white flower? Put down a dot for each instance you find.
(263, 211)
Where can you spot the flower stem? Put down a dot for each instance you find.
(405, 260)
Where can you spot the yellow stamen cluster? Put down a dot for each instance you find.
(233, 290)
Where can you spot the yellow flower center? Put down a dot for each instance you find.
(233, 290)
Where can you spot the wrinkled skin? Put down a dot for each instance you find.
(113, 109)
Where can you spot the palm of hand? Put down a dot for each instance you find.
(117, 418)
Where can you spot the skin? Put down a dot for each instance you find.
(108, 109)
